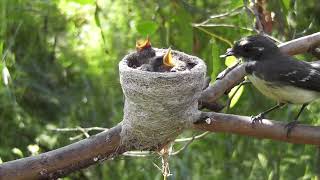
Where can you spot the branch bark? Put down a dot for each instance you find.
(236, 75)
(268, 129)
(62, 161)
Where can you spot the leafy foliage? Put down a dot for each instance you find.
(62, 57)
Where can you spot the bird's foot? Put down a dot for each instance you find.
(290, 126)
(257, 119)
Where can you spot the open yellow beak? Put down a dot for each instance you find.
(142, 44)
(167, 59)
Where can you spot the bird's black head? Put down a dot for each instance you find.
(253, 48)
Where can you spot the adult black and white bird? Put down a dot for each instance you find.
(276, 75)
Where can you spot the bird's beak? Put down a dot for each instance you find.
(142, 44)
(229, 52)
(167, 59)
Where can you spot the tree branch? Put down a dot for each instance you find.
(62, 161)
(236, 75)
(269, 129)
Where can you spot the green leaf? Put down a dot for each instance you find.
(286, 3)
(17, 152)
(237, 96)
(1, 161)
(1, 48)
(216, 60)
(230, 61)
(236, 3)
(5, 75)
(83, 2)
(146, 27)
(34, 149)
(263, 160)
(271, 175)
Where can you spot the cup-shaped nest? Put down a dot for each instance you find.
(159, 106)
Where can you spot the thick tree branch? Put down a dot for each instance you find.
(269, 129)
(301, 45)
(62, 161)
(236, 75)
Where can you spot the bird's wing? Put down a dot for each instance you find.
(296, 73)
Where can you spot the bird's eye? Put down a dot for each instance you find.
(246, 48)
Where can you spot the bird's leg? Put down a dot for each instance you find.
(260, 116)
(293, 123)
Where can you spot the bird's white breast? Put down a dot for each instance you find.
(284, 94)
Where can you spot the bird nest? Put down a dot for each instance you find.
(159, 105)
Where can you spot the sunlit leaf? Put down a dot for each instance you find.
(236, 3)
(237, 96)
(17, 152)
(34, 149)
(286, 3)
(82, 1)
(1, 161)
(290, 160)
(46, 140)
(1, 49)
(263, 160)
(216, 60)
(271, 175)
(146, 27)
(5, 75)
(230, 61)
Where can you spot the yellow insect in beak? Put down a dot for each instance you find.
(167, 59)
(142, 44)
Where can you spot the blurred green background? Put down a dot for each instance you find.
(59, 63)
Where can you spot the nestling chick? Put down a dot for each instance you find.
(143, 54)
(166, 63)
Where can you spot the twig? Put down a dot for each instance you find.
(155, 165)
(223, 25)
(192, 138)
(150, 153)
(215, 36)
(138, 153)
(85, 131)
(184, 147)
(165, 153)
(77, 137)
(80, 129)
(233, 12)
(256, 13)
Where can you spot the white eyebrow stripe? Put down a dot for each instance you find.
(243, 42)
